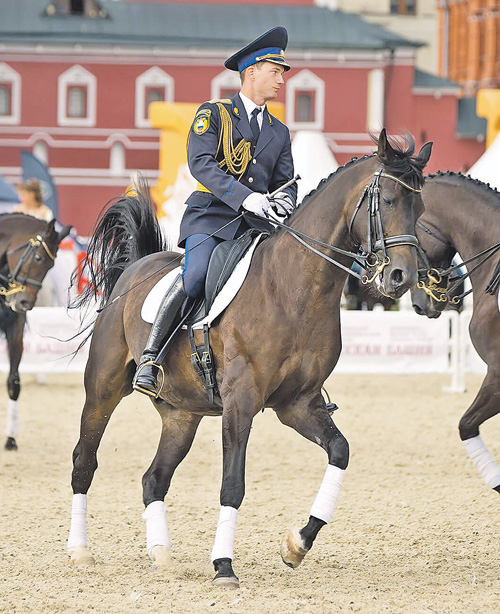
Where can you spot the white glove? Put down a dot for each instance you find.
(282, 204)
(257, 203)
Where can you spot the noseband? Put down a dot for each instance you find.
(14, 282)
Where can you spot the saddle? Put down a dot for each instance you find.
(223, 261)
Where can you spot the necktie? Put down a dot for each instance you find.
(254, 124)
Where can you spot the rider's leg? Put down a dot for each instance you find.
(199, 248)
(188, 285)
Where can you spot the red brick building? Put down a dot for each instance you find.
(77, 76)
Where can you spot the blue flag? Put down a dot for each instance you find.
(8, 193)
(35, 168)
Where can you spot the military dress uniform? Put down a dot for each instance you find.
(231, 162)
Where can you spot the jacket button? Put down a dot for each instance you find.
(254, 161)
(250, 180)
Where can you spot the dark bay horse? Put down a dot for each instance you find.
(28, 248)
(463, 215)
(274, 346)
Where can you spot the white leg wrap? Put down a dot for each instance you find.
(157, 534)
(328, 493)
(224, 536)
(12, 429)
(484, 461)
(78, 529)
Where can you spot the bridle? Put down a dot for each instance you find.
(368, 259)
(15, 282)
(430, 278)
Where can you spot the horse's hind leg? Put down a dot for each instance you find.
(14, 336)
(311, 419)
(177, 434)
(107, 381)
(485, 406)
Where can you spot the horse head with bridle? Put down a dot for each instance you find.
(273, 346)
(28, 248)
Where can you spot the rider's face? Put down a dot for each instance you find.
(267, 81)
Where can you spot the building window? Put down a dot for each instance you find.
(154, 85)
(225, 85)
(153, 94)
(10, 95)
(77, 101)
(305, 101)
(403, 7)
(5, 99)
(117, 159)
(77, 98)
(305, 105)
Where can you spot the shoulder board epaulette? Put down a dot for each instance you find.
(224, 100)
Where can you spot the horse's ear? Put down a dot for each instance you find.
(425, 153)
(50, 226)
(64, 233)
(385, 152)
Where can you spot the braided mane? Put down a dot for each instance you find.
(467, 178)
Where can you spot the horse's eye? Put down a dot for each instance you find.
(38, 258)
(387, 201)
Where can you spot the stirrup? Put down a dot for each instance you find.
(151, 394)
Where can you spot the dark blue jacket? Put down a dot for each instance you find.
(270, 167)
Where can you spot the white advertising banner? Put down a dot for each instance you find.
(393, 342)
(373, 342)
(48, 343)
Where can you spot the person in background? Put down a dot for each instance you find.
(30, 195)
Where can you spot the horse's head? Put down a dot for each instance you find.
(394, 203)
(29, 257)
(429, 297)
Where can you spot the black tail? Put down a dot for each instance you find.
(125, 231)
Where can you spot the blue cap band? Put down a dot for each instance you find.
(271, 54)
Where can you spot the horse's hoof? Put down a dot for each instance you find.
(80, 556)
(292, 549)
(225, 576)
(226, 582)
(10, 444)
(161, 557)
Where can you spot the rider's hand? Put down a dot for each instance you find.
(282, 204)
(257, 203)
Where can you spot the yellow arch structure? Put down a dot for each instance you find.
(488, 106)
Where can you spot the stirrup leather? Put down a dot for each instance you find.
(135, 386)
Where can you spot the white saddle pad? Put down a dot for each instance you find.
(223, 299)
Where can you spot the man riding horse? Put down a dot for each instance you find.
(238, 152)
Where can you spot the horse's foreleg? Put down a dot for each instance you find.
(14, 336)
(311, 419)
(237, 417)
(485, 405)
(178, 431)
(104, 390)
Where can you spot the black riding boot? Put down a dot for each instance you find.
(166, 320)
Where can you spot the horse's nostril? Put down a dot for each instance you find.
(418, 310)
(397, 277)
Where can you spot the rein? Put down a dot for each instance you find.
(435, 276)
(13, 282)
